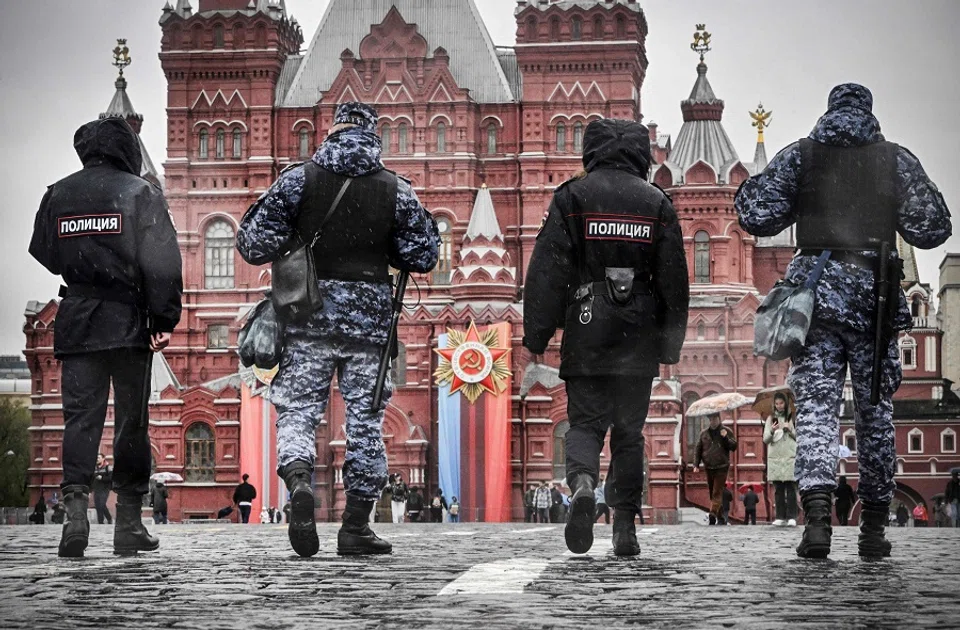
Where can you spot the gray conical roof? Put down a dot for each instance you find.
(120, 106)
(483, 220)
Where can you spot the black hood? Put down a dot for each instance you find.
(618, 144)
(111, 140)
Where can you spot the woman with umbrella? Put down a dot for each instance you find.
(780, 436)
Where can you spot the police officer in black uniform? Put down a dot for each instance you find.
(609, 268)
(108, 233)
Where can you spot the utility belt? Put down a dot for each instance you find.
(107, 294)
(620, 285)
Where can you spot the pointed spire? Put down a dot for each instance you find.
(484, 272)
(911, 274)
(483, 219)
(761, 120)
(120, 106)
(184, 8)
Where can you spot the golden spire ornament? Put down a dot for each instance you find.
(121, 55)
(701, 41)
(761, 120)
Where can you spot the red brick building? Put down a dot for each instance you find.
(485, 133)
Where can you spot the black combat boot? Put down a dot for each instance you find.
(76, 529)
(625, 533)
(713, 518)
(129, 534)
(355, 537)
(817, 532)
(583, 513)
(302, 529)
(873, 520)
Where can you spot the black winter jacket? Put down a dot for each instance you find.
(609, 218)
(244, 492)
(108, 233)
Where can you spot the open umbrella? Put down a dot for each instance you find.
(763, 404)
(717, 403)
(166, 476)
(757, 487)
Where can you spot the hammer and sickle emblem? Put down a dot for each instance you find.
(472, 360)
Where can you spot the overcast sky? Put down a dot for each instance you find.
(55, 74)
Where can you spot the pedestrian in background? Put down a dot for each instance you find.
(601, 498)
(849, 192)
(109, 234)
(39, 511)
(438, 506)
(158, 499)
(454, 510)
(726, 502)
(556, 504)
(243, 496)
(102, 478)
(529, 504)
(920, 515)
(750, 501)
(780, 436)
(845, 499)
(951, 495)
(264, 516)
(941, 516)
(377, 223)
(543, 503)
(415, 505)
(903, 515)
(398, 498)
(713, 453)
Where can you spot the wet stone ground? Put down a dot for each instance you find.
(470, 575)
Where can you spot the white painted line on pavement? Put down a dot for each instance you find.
(457, 533)
(503, 577)
(647, 531)
(532, 530)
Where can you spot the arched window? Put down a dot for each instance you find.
(555, 29)
(221, 143)
(237, 143)
(218, 36)
(916, 305)
(915, 441)
(701, 257)
(576, 28)
(204, 150)
(561, 138)
(441, 138)
(304, 148)
(721, 332)
(908, 352)
(531, 28)
(560, 449)
(261, 36)
(948, 441)
(441, 273)
(239, 37)
(701, 332)
(621, 27)
(218, 255)
(402, 138)
(850, 440)
(491, 139)
(200, 458)
(386, 136)
(598, 27)
(578, 137)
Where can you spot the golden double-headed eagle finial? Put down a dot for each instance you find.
(761, 120)
(121, 55)
(701, 41)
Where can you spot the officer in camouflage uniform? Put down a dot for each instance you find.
(379, 223)
(846, 185)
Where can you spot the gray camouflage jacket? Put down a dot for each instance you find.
(766, 204)
(359, 310)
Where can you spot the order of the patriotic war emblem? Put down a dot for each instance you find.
(473, 363)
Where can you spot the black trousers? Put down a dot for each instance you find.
(100, 502)
(749, 517)
(86, 382)
(843, 513)
(528, 514)
(618, 404)
(244, 513)
(785, 498)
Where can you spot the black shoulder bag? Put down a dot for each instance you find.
(296, 295)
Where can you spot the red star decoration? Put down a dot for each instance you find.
(472, 364)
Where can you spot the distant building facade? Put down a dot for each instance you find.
(485, 134)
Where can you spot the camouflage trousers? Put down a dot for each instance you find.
(817, 378)
(301, 391)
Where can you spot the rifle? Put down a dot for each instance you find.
(882, 316)
(391, 341)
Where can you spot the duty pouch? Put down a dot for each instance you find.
(620, 284)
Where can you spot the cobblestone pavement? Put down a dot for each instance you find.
(468, 575)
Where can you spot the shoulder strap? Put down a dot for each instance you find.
(817, 271)
(311, 178)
